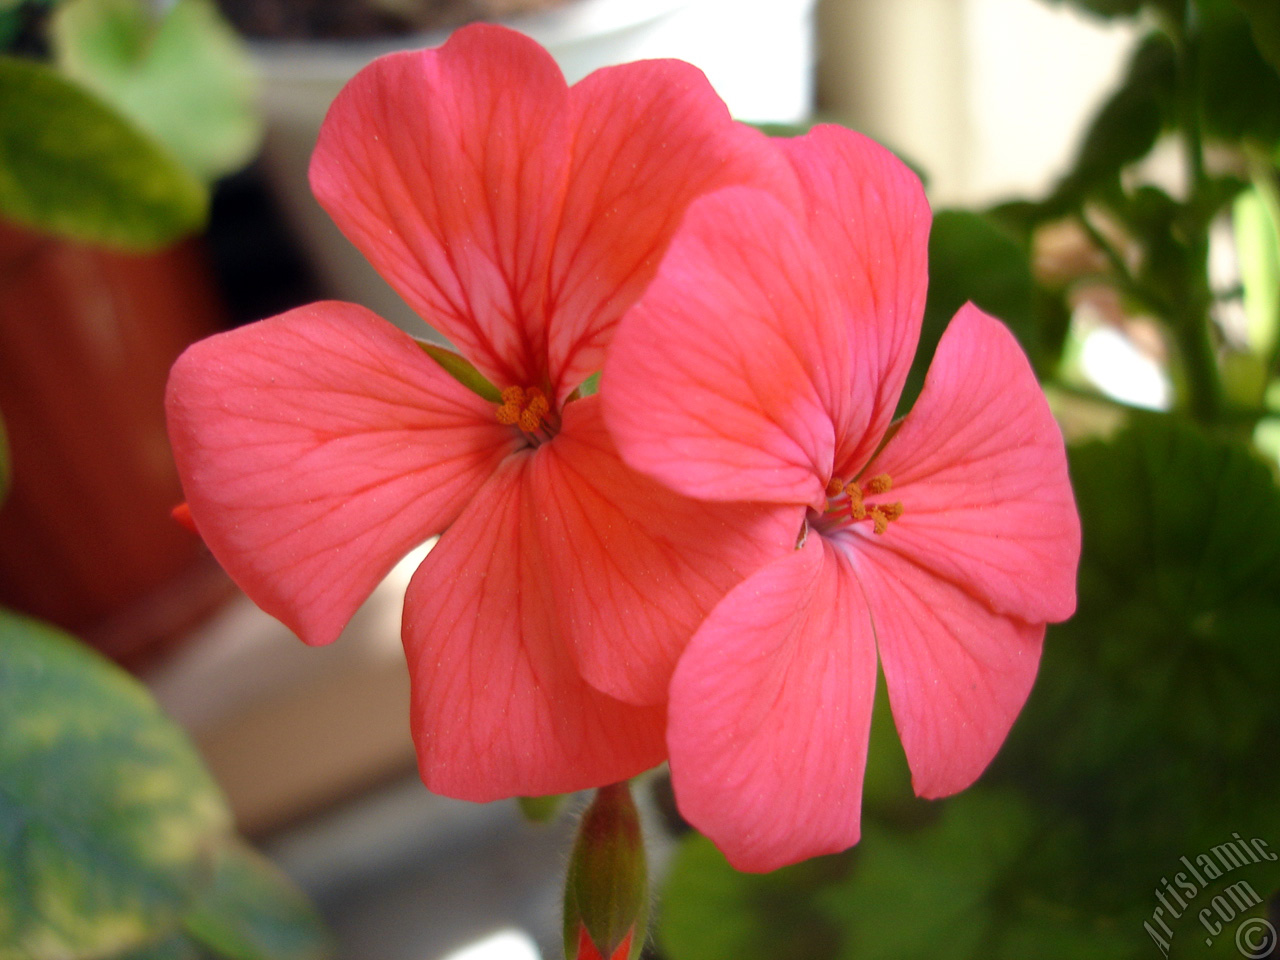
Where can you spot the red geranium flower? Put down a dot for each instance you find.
(770, 352)
(520, 218)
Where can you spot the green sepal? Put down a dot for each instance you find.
(462, 370)
(541, 809)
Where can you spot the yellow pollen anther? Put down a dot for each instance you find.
(880, 519)
(881, 483)
(892, 511)
(523, 408)
(834, 487)
(532, 416)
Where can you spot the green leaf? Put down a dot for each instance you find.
(185, 79)
(1129, 122)
(1257, 235)
(912, 890)
(253, 912)
(173, 947)
(973, 258)
(107, 816)
(461, 369)
(1264, 20)
(1239, 90)
(1156, 700)
(1106, 8)
(71, 166)
(709, 911)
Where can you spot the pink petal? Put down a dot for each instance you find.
(724, 380)
(635, 566)
(316, 449)
(957, 673)
(771, 712)
(446, 168)
(980, 468)
(869, 220)
(648, 138)
(498, 706)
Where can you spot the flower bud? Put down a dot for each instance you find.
(606, 897)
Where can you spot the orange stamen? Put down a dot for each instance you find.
(523, 408)
(879, 518)
(881, 483)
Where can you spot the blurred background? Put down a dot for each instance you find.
(988, 99)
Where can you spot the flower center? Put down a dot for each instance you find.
(529, 409)
(848, 503)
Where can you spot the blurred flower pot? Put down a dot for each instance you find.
(86, 340)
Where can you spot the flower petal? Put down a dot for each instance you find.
(869, 220)
(771, 712)
(980, 468)
(957, 673)
(446, 168)
(316, 449)
(636, 567)
(498, 706)
(722, 381)
(649, 137)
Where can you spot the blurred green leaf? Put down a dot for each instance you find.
(71, 166)
(1239, 89)
(174, 947)
(886, 785)
(1104, 8)
(972, 258)
(1127, 125)
(914, 892)
(185, 79)
(709, 911)
(107, 816)
(1264, 19)
(1156, 701)
(254, 912)
(1257, 235)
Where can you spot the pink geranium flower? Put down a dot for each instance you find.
(519, 217)
(769, 354)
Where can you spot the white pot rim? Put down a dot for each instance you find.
(573, 23)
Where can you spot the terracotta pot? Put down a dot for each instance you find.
(86, 341)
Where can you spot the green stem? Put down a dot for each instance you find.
(1189, 316)
(1194, 336)
(1120, 270)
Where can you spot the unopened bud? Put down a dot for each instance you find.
(606, 896)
